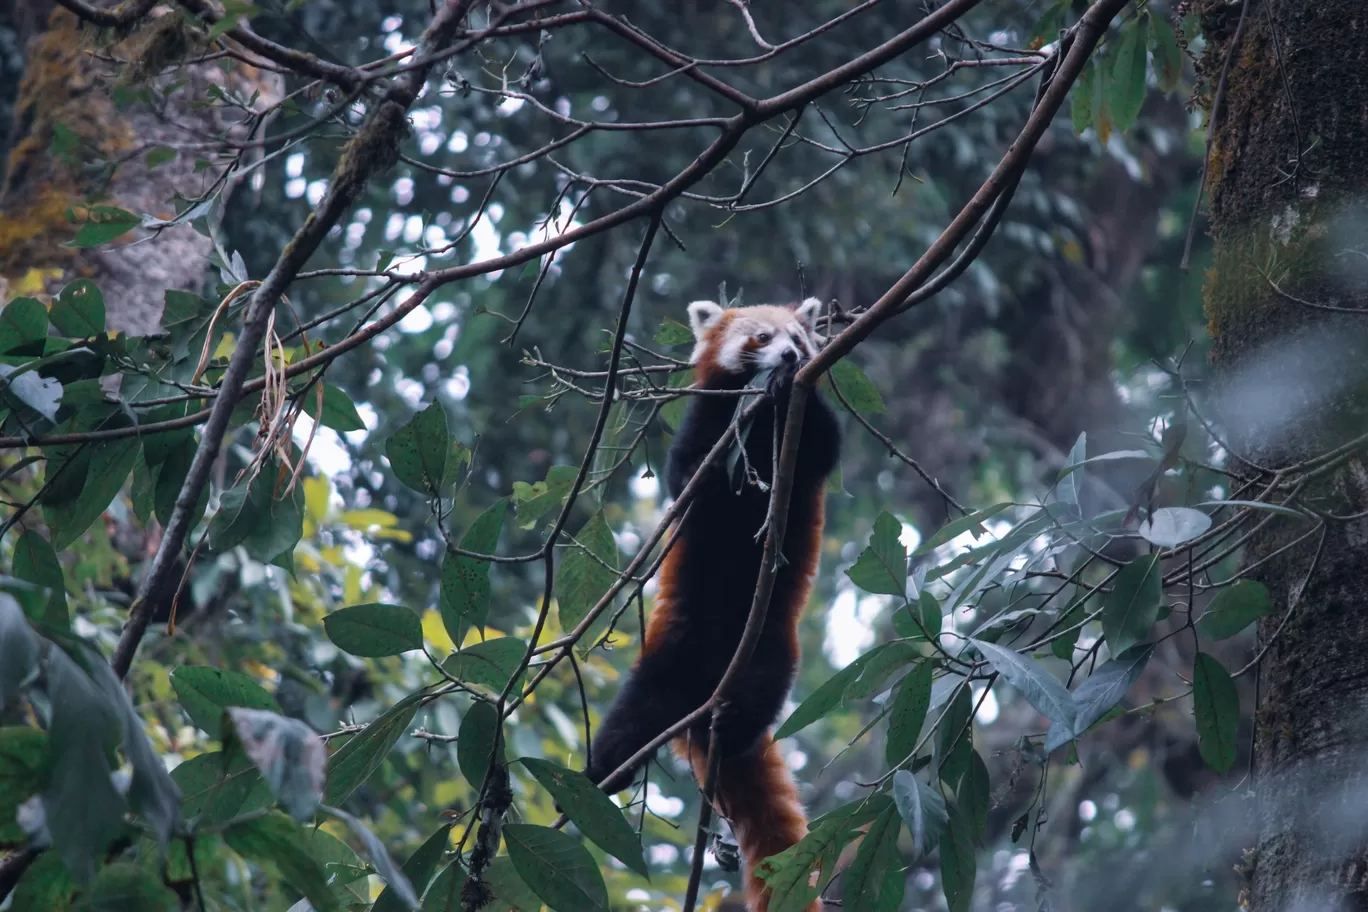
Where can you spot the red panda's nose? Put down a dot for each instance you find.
(790, 355)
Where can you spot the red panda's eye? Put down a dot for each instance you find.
(763, 338)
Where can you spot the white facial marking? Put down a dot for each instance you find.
(757, 338)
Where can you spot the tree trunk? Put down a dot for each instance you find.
(71, 145)
(1288, 172)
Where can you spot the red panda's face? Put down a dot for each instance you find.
(743, 340)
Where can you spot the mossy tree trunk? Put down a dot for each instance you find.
(82, 133)
(1289, 213)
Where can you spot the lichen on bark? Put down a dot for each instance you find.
(81, 134)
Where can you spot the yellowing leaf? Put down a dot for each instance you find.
(261, 672)
(402, 535)
(317, 493)
(33, 281)
(364, 519)
(434, 631)
(474, 636)
(351, 585)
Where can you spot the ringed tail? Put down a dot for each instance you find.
(758, 796)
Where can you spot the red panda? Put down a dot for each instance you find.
(708, 579)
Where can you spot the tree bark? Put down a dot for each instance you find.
(71, 145)
(1287, 174)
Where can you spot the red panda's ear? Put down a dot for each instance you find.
(703, 314)
(808, 311)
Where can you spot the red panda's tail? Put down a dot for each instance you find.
(758, 796)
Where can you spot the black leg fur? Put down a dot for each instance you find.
(649, 702)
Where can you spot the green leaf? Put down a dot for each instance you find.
(126, 887)
(418, 870)
(1104, 689)
(216, 794)
(79, 311)
(45, 887)
(672, 332)
(882, 566)
(1233, 609)
(788, 874)
(1128, 75)
(24, 321)
(922, 808)
(338, 411)
(465, 580)
(84, 812)
(509, 888)
(874, 882)
(36, 562)
(879, 667)
(1169, 527)
(240, 509)
(1070, 484)
(1040, 688)
(170, 478)
(582, 578)
(951, 746)
(957, 863)
(277, 532)
(1132, 607)
(277, 840)
(1047, 27)
(19, 649)
(445, 893)
(826, 697)
(1084, 90)
(374, 630)
(532, 501)
(558, 868)
(24, 761)
(475, 742)
(1074, 613)
(597, 817)
(110, 464)
(159, 156)
(356, 760)
(104, 224)
(672, 412)
(1217, 706)
(380, 859)
(1258, 505)
(289, 754)
(489, 664)
(907, 713)
(857, 388)
(925, 624)
(973, 796)
(205, 692)
(972, 523)
(417, 451)
(1103, 122)
(1168, 57)
(152, 793)
(1102, 457)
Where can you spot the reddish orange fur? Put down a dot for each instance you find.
(755, 791)
(758, 796)
(707, 370)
